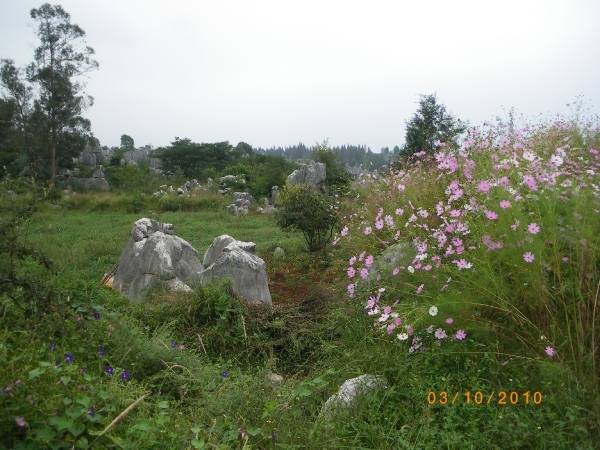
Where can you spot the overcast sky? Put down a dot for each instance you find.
(275, 73)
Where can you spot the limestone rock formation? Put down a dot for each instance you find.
(313, 174)
(93, 155)
(153, 256)
(397, 255)
(350, 391)
(236, 260)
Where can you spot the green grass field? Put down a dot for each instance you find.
(189, 370)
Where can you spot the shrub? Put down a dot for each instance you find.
(305, 209)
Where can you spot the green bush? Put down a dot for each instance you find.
(303, 208)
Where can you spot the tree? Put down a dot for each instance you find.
(431, 123)
(193, 158)
(127, 143)
(20, 99)
(336, 173)
(54, 118)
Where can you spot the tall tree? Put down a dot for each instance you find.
(127, 142)
(59, 61)
(431, 123)
(19, 94)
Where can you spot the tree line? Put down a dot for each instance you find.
(42, 128)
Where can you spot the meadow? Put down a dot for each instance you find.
(487, 338)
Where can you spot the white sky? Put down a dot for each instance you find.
(275, 73)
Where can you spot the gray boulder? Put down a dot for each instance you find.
(278, 253)
(313, 174)
(154, 257)
(236, 210)
(350, 391)
(220, 242)
(396, 255)
(248, 273)
(244, 196)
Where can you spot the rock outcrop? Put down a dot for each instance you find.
(313, 174)
(154, 257)
(350, 391)
(236, 260)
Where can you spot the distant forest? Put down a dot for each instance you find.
(353, 155)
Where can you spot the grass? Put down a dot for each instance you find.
(189, 370)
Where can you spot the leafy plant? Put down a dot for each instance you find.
(305, 209)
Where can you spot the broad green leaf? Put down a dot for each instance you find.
(253, 431)
(65, 379)
(301, 391)
(196, 430)
(44, 364)
(77, 429)
(163, 404)
(82, 442)
(45, 434)
(198, 443)
(83, 400)
(67, 401)
(74, 413)
(36, 372)
(61, 422)
(162, 419)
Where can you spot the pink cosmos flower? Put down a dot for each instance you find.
(516, 225)
(335, 241)
(361, 256)
(368, 231)
(533, 228)
(440, 333)
(491, 215)
(389, 220)
(399, 211)
(550, 351)
(455, 213)
(504, 204)
(410, 330)
(369, 261)
(420, 288)
(528, 257)
(401, 187)
(460, 335)
(351, 272)
(344, 231)
(449, 320)
(395, 271)
(484, 186)
(565, 259)
(350, 290)
(379, 224)
(463, 264)
(352, 260)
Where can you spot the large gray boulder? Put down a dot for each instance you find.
(313, 174)
(229, 258)
(220, 242)
(350, 391)
(154, 257)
